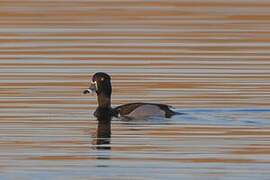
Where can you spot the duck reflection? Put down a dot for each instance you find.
(103, 133)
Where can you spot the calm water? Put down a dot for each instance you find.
(208, 59)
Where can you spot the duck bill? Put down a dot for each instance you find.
(91, 89)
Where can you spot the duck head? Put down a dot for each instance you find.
(101, 85)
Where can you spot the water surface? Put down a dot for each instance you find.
(208, 59)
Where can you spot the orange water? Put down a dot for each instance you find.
(209, 59)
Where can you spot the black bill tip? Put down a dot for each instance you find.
(86, 91)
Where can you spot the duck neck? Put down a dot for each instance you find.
(104, 101)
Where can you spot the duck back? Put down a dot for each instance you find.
(138, 110)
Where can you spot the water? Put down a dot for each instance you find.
(209, 59)
(202, 144)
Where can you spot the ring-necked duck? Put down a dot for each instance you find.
(101, 84)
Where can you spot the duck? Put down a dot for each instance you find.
(102, 86)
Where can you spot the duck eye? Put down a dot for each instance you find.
(102, 79)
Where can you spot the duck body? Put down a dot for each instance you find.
(101, 84)
(138, 110)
